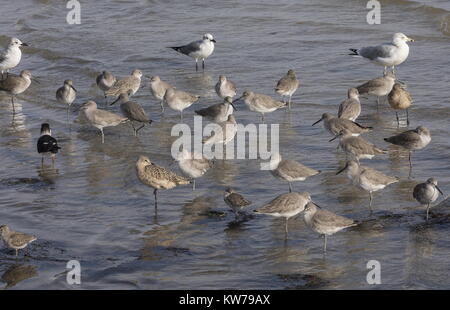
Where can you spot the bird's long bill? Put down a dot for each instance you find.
(332, 139)
(114, 101)
(316, 205)
(317, 122)
(411, 40)
(233, 106)
(213, 40)
(236, 100)
(345, 167)
(74, 88)
(36, 80)
(439, 190)
(24, 44)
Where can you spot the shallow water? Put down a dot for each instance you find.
(92, 208)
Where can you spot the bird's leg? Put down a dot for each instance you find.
(12, 102)
(162, 106)
(106, 98)
(325, 244)
(407, 117)
(290, 187)
(203, 64)
(262, 117)
(53, 161)
(393, 69)
(370, 202)
(156, 200)
(17, 252)
(42, 162)
(134, 128)
(385, 70)
(289, 103)
(410, 164)
(181, 115)
(139, 128)
(286, 227)
(398, 121)
(193, 185)
(428, 209)
(103, 136)
(196, 64)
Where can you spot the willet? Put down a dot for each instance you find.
(105, 81)
(157, 177)
(350, 108)
(14, 239)
(47, 145)
(411, 140)
(289, 170)
(66, 94)
(225, 87)
(133, 111)
(261, 103)
(179, 100)
(287, 85)
(379, 87)
(334, 125)
(10, 57)
(286, 205)
(426, 193)
(225, 132)
(200, 49)
(218, 112)
(367, 178)
(388, 54)
(357, 147)
(235, 201)
(325, 222)
(126, 84)
(158, 88)
(100, 118)
(16, 84)
(193, 165)
(400, 99)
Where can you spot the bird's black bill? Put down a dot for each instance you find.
(233, 106)
(114, 101)
(213, 41)
(316, 205)
(340, 171)
(237, 99)
(335, 137)
(317, 122)
(74, 88)
(24, 44)
(439, 190)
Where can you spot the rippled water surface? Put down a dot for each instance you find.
(92, 208)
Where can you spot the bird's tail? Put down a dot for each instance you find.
(176, 48)
(354, 52)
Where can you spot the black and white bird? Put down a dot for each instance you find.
(47, 145)
(199, 50)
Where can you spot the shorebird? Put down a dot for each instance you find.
(158, 88)
(225, 87)
(179, 100)
(194, 165)
(286, 205)
(218, 112)
(325, 222)
(66, 94)
(235, 201)
(388, 54)
(261, 103)
(356, 147)
(157, 177)
(129, 84)
(350, 108)
(334, 125)
(133, 111)
(14, 239)
(287, 85)
(16, 84)
(224, 133)
(379, 87)
(105, 81)
(10, 57)
(367, 178)
(47, 145)
(200, 49)
(411, 140)
(100, 118)
(400, 99)
(289, 170)
(426, 193)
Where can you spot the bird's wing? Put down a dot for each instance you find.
(370, 85)
(189, 48)
(238, 200)
(324, 217)
(295, 169)
(10, 82)
(134, 111)
(379, 51)
(18, 239)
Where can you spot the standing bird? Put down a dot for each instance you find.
(379, 87)
(105, 81)
(388, 54)
(10, 57)
(286, 205)
(400, 99)
(66, 94)
(225, 87)
(133, 111)
(235, 201)
(47, 144)
(179, 100)
(426, 193)
(157, 177)
(193, 165)
(129, 84)
(325, 222)
(289, 170)
(350, 108)
(218, 112)
(200, 49)
(224, 133)
(357, 147)
(100, 118)
(14, 239)
(412, 140)
(16, 84)
(368, 179)
(334, 125)
(158, 88)
(287, 85)
(261, 103)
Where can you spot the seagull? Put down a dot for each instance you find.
(350, 108)
(200, 49)
(426, 193)
(16, 84)
(218, 112)
(287, 85)
(126, 84)
(47, 144)
(193, 165)
(66, 94)
(388, 54)
(10, 57)
(158, 88)
(105, 81)
(133, 111)
(225, 87)
(14, 239)
(235, 201)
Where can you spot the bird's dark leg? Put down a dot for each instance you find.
(162, 106)
(156, 200)
(290, 187)
(12, 102)
(410, 164)
(196, 64)
(370, 202)
(398, 121)
(193, 185)
(286, 227)
(325, 244)
(407, 117)
(139, 128)
(203, 64)
(428, 209)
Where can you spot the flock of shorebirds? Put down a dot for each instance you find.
(343, 127)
